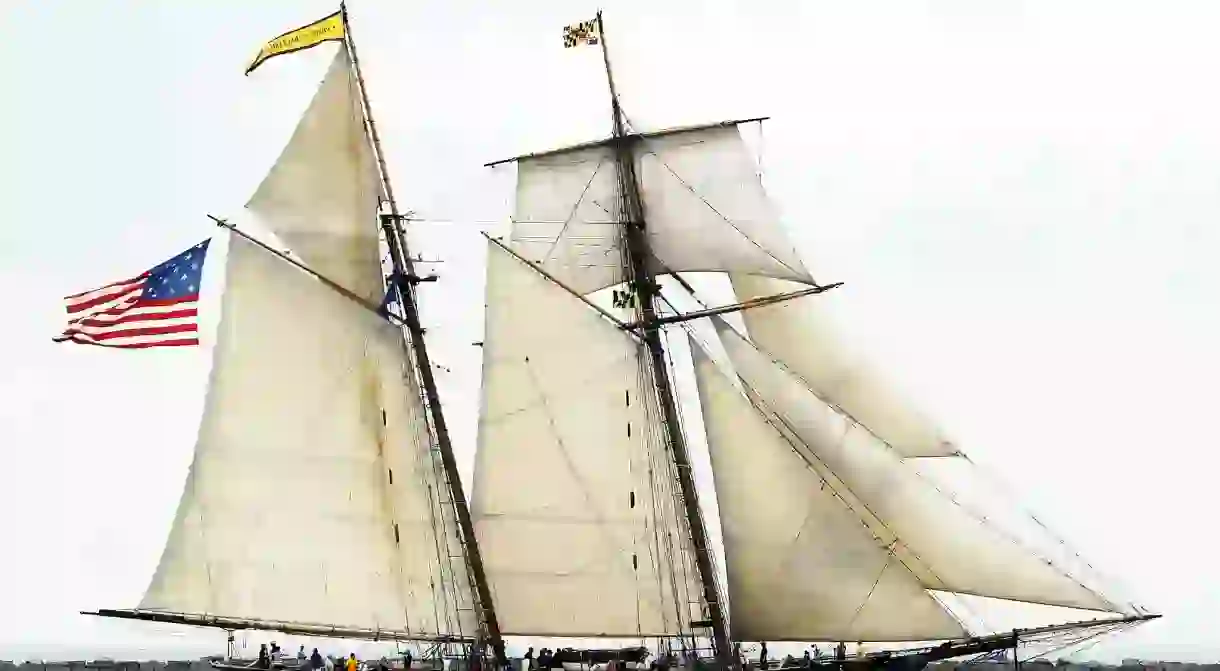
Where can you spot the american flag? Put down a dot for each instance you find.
(157, 308)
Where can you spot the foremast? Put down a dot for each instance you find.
(641, 280)
(404, 287)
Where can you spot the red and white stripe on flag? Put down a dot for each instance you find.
(158, 308)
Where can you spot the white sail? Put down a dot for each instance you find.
(313, 496)
(801, 566)
(939, 541)
(325, 181)
(703, 200)
(572, 498)
(799, 334)
(289, 512)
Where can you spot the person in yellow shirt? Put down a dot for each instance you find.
(351, 663)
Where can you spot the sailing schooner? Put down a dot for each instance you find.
(829, 533)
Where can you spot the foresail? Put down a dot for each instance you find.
(308, 497)
(321, 196)
(799, 334)
(946, 547)
(703, 200)
(573, 492)
(801, 566)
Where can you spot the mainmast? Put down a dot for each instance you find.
(405, 288)
(641, 278)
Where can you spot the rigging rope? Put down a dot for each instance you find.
(970, 511)
(788, 435)
(446, 600)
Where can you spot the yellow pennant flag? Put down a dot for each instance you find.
(328, 29)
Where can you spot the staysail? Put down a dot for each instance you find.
(705, 204)
(800, 334)
(573, 498)
(801, 566)
(940, 542)
(313, 496)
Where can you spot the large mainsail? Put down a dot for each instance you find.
(573, 493)
(313, 497)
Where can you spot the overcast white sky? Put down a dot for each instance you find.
(1020, 196)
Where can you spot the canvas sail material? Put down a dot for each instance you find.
(800, 564)
(939, 541)
(307, 498)
(321, 196)
(703, 199)
(572, 500)
(799, 334)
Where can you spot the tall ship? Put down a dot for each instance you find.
(583, 518)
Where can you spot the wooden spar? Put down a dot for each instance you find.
(396, 240)
(637, 264)
(285, 626)
(995, 642)
(629, 136)
(736, 307)
(330, 284)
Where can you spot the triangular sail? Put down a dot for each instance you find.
(321, 197)
(313, 496)
(704, 202)
(573, 489)
(306, 500)
(942, 543)
(801, 566)
(799, 334)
